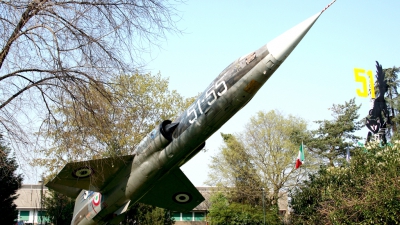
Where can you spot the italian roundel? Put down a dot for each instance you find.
(182, 198)
(96, 199)
(82, 172)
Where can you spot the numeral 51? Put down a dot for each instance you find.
(363, 80)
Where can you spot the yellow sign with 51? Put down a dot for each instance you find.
(358, 75)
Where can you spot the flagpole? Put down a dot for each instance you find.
(304, 149)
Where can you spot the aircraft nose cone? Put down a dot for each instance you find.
(283, 45)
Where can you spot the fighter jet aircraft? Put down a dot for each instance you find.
(104, 188)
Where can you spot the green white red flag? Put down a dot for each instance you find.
(300, 157)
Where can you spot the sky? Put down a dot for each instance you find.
(317, 74)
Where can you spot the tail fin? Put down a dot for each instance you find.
(87, 205)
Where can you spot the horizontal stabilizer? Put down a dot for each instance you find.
(174, 192)
(65, 190)
(91, 175)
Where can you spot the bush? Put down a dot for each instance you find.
(367, 191)
(225, 212)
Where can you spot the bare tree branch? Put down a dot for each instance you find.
(53, 52)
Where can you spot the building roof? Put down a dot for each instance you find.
(206, 192)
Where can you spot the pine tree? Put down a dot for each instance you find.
(392, 96)
(10, 182)
(331, 140)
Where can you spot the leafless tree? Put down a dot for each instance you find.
(53, 52)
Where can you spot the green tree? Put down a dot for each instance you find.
(332, 138)
(10, 182)
(233, 171)
(272, 141)
(148, 215)
(238, 199)
(263, 156)
(142, 100)
(365, 192)
(225, 212)
(392, 96)
(59, 208)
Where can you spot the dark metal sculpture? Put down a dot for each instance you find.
(378, 117)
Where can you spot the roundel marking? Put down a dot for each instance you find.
(182, 198)
(96, 199)
(82, 172)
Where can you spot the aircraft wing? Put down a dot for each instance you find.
(91, 175)
(174, 192)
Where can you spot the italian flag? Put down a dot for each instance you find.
(300, 157)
